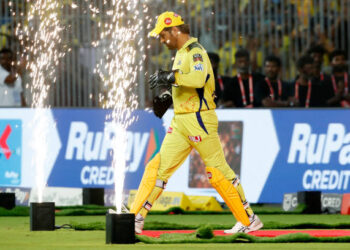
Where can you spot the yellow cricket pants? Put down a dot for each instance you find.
(192, 130)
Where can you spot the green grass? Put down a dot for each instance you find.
(101, 210)
(224, 221)
(15, 234)
(228, 220)
(217, 221)
(239, 238)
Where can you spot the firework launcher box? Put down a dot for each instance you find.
(120, 228)
(42, 216)
(7, 200)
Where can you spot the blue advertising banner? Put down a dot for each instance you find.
(314, 153)
(272, 151)
(10, 152)
(86, 154)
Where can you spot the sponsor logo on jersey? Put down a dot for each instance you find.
(195, 138)
(198, 67)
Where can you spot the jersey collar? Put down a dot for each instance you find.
(191, 40)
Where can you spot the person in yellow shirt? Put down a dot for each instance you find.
(195, 125)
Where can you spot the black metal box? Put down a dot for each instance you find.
(7, 200)
(120, 228)
(42, 216)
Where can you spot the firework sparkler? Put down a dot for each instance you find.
(119, 71)
(122, 42)
(40, 37)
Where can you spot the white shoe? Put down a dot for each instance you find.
(255, 224)
(124, 209)
(111, 211)
(139, 222)
(237, 228)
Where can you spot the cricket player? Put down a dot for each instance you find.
(195, 125)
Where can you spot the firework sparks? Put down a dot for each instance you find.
(121, 38)
(119, 71)
(41, 37)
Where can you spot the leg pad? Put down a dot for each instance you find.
(147, 184)
(228, 192)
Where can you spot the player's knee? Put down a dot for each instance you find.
(227, 171)
(154, 163)
(164, 173)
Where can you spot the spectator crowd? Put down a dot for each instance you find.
(312, 87)
(258, 47)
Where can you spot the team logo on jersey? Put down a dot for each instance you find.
(198, 67)
(197, 138)
(197, 57)
(168, 21)
(170, 130)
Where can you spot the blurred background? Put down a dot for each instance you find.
(290, 157)
(285, 28)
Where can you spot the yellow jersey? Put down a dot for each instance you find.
(194, 88)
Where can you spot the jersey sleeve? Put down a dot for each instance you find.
(198, 70)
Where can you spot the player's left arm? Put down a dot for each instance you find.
(197, 75)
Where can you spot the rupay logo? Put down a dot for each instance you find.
(312, 148)
(88, 148)
(87, 145)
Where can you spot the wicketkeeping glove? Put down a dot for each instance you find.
(162, 103)
(162, 79)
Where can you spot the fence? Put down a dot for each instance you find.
(282, 27)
